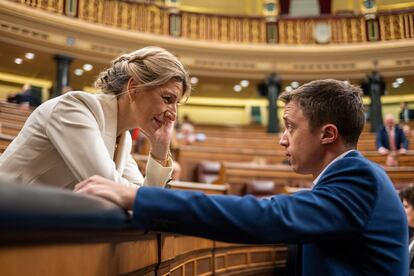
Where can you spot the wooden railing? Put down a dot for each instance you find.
(397, 26)
(156, 19)
(48, 231)
(223, 28)
(343, 30)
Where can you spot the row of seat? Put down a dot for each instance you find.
(232, 151)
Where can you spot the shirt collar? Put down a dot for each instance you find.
(333, 161)
(391, 129)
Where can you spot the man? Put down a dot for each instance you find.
(391, 138)
(407, 197)
(351, 222)
(406, 113)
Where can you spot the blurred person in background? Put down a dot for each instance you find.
(176, 173)
(26, 98)
(66, 89)
(391, 140)
(407, 198)
(77, 135)
(406, 114)
(408, 132)
(186, 131)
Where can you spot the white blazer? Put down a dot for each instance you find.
(72, 137)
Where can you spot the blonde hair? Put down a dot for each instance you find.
(149, 67)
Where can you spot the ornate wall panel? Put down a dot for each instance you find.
(212, 45)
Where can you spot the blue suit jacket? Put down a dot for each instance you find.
(382, 139)
(351, 223)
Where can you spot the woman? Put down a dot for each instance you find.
(407, 197)
(77, 135)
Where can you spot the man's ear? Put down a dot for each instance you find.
(329, 134)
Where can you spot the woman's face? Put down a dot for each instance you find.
(409, 211)
(157, 106)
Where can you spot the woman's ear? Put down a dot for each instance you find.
(130, 89)
(329, 134)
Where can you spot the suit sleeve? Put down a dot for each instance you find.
(338, 209)
(74, 131)
(378, 140)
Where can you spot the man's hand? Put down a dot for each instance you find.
(121, 195)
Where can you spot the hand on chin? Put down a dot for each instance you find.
(155, 126)
(150, 129)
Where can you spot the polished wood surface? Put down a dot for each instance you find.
(130, 253)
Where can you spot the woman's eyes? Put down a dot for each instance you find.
(168, 99)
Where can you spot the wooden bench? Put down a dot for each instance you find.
(201, 187)
(190, 155)
(238, 174)
(5, 140)
(12, 118)
(11, 129)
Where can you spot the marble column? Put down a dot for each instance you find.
(273, 89)
(62, 73)
(376, 86)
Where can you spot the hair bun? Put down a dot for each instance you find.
(124, 57)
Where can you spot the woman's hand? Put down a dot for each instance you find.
(121, 195)
(161, 138)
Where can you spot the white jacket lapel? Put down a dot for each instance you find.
(122, 151)
(110, 108)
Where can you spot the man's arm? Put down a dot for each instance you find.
(337, 210)
(379, 143)
(303, 217)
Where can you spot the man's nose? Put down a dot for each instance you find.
(283, 139)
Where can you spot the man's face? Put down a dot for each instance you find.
(303, 147)
(409, 211)
(389, 121)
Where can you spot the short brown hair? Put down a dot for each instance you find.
(331, 101)
(407, 194)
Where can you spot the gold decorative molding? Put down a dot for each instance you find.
(49, 32)
(22, 80)
(22, 30)
(396, 6)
